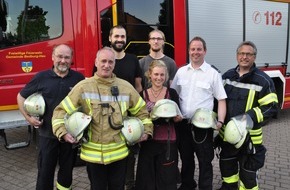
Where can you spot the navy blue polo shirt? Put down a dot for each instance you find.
(53, 89)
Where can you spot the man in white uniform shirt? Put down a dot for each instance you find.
(198, 84)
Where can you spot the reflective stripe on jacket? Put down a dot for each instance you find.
(93, 97)
(254, 94)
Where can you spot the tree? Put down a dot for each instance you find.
(31, 25)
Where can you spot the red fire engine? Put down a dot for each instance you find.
(29, 29)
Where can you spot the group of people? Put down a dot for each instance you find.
(124, 86)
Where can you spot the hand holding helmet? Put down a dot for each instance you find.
(76, 124)
(34, 106)
(237, 128)
(69, 138)
(133, 130)
(165, 108)
(177, 118)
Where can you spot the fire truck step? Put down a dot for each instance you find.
(16, 145)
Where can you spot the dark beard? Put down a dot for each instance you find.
(118, 49)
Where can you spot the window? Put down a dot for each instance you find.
(23, 22)
(139, 18)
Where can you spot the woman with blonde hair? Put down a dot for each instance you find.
(158, 157)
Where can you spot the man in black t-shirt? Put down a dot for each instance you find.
(53, 84)
(127, 67)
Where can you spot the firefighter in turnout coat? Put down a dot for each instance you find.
(108, 100)
(250, 92)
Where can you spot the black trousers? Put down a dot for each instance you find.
(107, 177)
(51, 152)
(201, 144)
(131, 162)
(156, 170)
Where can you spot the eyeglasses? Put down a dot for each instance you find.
(246, 54)
(63, 57)
(158, 38)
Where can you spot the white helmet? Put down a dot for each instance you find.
(132, 130)
(76, 124)
(34, 105)
(236, 129)
(165, 108)
(204, 118)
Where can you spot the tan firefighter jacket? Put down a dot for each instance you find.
(93, 97)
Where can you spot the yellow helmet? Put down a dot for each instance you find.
(237, 128)
(132, 130)
(76, 124)
(204, 118)
(165, 108)
(34, 105)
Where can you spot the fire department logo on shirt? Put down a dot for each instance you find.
(26, 66)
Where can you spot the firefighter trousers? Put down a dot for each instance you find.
(237, 165)
(107, 177)
(51, 152)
